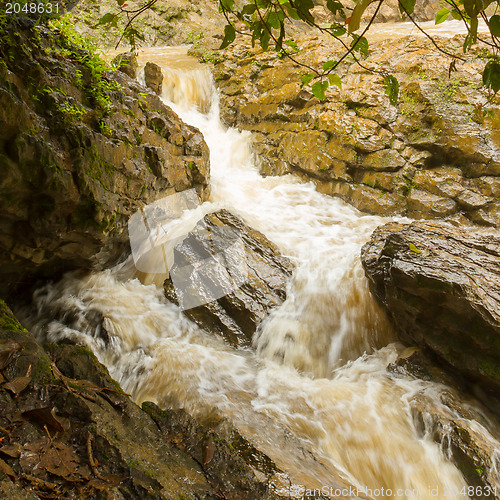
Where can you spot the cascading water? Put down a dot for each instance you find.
(315, 394)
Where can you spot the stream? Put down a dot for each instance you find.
(314, 393)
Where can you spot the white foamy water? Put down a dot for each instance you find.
(314, 393)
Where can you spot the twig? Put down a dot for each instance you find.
(429, 36)
(92, 461)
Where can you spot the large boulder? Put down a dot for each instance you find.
(153, 77)
(441, 286)
(230, 300)
(81, 149)
(68, 430)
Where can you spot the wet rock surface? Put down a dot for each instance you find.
(66, 436)
(153, 77)
(435, 154)
(470, 447)
(127, 63)
(255, 282)
(81, 149)
(440, 285)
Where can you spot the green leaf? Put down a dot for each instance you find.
(292, 44)
(361, 44)
(357, 13)
(291, 11)
(226, 5)
(318, 89)
(120, 2)
(442, 15)
(474, 7)
(249, 9)
(273, 20)
(229, 36)
(329, 65)
(107, 18)
(264, 39)
(334, 79)
(491, 75)
(333, 6)
(407, 6)
(473, 29)
(337, 30)
(494, 25)
(306, 79)
(414, 249)
(256, 28)
(392, 89)
(456, 15)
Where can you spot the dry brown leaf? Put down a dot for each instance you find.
(6, 469)
(17, 385)
(60, 460)
(41, 484)
(208, 451)
(8, 351)
(45, 416)
(12, 450)
(31, 455)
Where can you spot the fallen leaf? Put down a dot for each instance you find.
(41, 484)
(17, 385)
(31, 455)
(60, 460)
(8, 351)
(12, 450)
(6, 469)
(208, 451)
(44, 416)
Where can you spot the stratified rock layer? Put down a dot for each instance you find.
(81, 149)
(433, 154)
(234, 315)
(441, 286)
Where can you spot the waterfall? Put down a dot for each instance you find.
(314, 393)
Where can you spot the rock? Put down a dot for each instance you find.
(76, 437)
(127, 63)
(470, 447)
(426, 205)
(444, 181)
(489, 216)
(471, 200)
(439, 284)
(75, 143)
(153, 77)
(355, 132)
(240, 300)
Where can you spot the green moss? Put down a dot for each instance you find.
(490, 368)
(7, 319)
(42, 372)
(133, 464)
(84, 214)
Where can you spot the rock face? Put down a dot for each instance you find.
(441, 287)
(435, 154)
(69, 431)
(470, 447)
(153, 77)
(127, 63)
(242, 298)
(81, 149)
